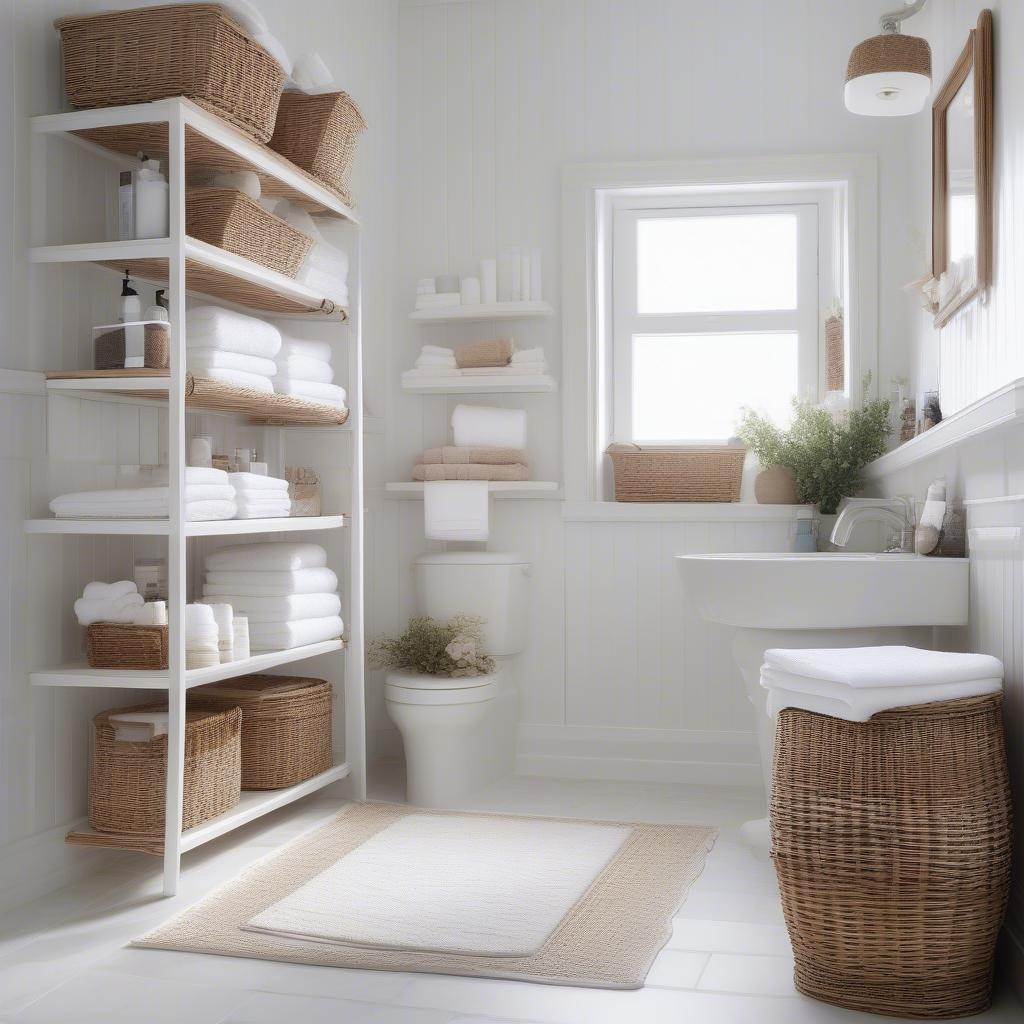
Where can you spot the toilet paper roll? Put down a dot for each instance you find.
(471, 291)
(489, 281)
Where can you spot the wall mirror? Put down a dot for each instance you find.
(962, 176)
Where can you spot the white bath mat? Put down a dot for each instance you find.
(483, 886)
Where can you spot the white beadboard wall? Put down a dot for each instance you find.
(495, 98)
(54, 445)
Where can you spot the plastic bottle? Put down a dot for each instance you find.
(152, 216)
(131, 305)
(160, 308)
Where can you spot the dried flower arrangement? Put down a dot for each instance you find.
(453, 648)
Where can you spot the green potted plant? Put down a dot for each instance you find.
(824, 452)
(453, 648)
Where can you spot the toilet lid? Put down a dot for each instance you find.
(406, 687)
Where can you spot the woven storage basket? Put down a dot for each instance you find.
(109, 348)
(891, 841)
(191, 50)
(113, 645)
(685, 473)
(286, 726)
(231, 220)
(319, 134)
(127, 780)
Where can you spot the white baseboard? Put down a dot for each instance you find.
(639, 755)
(36, 865)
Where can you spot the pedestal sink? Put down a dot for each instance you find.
(821, 599)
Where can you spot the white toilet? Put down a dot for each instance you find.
(460, 734)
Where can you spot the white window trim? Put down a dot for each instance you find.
(811, 208)
(587, 191)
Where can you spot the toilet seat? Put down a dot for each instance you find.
(405, 687)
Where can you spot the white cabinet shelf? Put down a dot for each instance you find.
(162, 527)
(479, 384)
(483, 311)
(81, 675)
(413, 489)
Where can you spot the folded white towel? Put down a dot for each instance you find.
(244, 482)
(437, 350)
(304, 368)
(240, 379)
(307, 347)
(264, 510)
(220, 328)
(141, 503)
(456, 510)
(324, 283)
(426, 286)
(435, 360)
(101, 609)
(193, 475)
(278, 610)
(268, 636)
(271, 583)
(528, 355)
(517, 370)
(259, 499)
(208, 511)
(268, 555)
(109, 591)
(480, 426)
(216, 359)
(325, 394)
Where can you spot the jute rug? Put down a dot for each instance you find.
(394, 888)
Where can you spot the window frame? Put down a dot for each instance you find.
(814, 212)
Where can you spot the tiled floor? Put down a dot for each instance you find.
(64, 958)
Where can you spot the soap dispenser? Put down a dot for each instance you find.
(131, 305)
(152, 212)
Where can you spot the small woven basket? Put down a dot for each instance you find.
(231, 220)
(127, 780)
(113, 645)
(891, 839)
(286, 726)
(191, 50)
(683, 473)
(109, 349)
(320, 134)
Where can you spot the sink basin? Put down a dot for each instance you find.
(826, 590)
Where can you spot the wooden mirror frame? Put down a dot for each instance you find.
(977, 54)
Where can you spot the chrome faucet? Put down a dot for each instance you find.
(855, 513)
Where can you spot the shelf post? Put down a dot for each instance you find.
(176, 542)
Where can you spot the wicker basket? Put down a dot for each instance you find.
(319, 134)
(191, 50)
(110, 348)
(286, 726)
(685, 473)
(231, 220)
(891, 839)
(127, 780)
(113, 645)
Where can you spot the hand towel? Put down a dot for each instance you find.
(208, 511)
(110, 591)
(217, 327)
(244, 482)
(216, 359)
(282, 636)
(268, 555)
(325, 394)
(470, 471)
(456, 510)
(307, 347)
(101, 609)
(486, 426)
(271, 583)
(491, 352)
(282, 609)
(239, 379)
(452, 456)
(304, 368)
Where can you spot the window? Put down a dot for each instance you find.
(715, 304)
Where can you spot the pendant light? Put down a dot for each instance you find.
(890, 74)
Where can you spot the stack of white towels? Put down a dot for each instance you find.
(285, 589)
(260, 497)
(231, 347)
(438, 361)
(202, 637)
(118, 602)
(208, 496)
(304, 370)
(325, 268)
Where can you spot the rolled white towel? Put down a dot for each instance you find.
(312, 391)
(310, 348)
(304, 368)
(267, 555)
(216, 359)
(98, 609)
(109, 591)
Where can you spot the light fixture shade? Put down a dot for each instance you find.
(889, 76)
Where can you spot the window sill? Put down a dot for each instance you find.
(683, 511)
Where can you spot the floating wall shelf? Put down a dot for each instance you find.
(500, 488)
(479, 384)
(162, 527)
(484, 311)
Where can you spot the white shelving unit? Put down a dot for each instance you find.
(187, 135)
(484, 311)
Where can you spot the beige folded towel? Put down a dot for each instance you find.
(470, 471)
(493, 352)
(450, 455)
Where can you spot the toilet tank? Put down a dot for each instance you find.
(487, 584)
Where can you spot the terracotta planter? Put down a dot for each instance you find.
(776, 485)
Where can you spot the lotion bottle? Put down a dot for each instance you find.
(152, 212)
(131, 305)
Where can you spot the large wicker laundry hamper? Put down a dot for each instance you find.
(891, 841)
